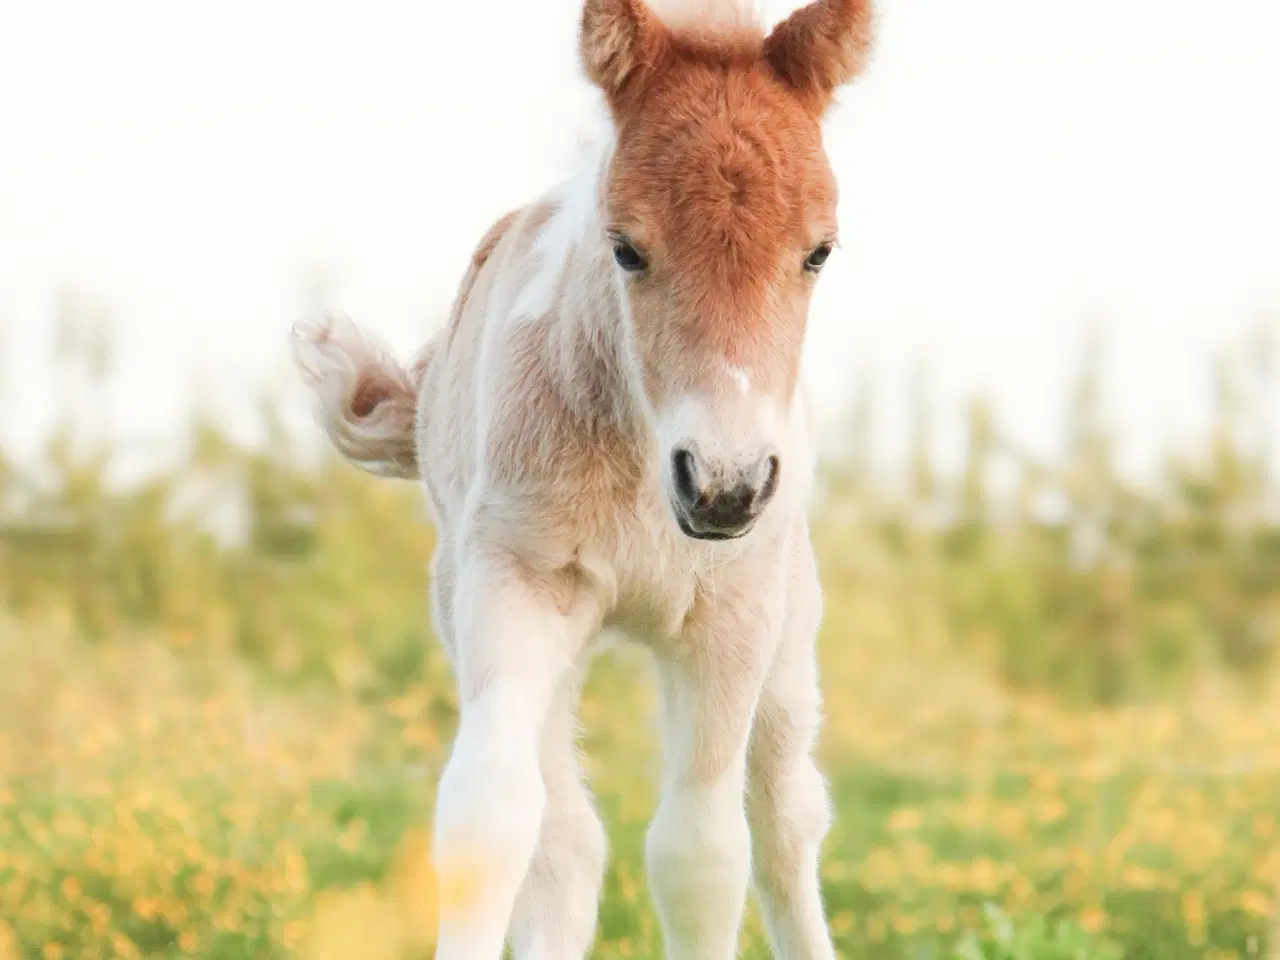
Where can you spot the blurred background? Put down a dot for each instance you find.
(1045, 363)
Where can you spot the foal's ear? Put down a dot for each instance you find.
(622, 44)
(821, 47)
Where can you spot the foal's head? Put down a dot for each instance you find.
(720, 213)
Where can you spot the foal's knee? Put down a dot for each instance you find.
(698, 850)
(572, 843)
(580, 835)
(790, 811)
(491, 795)
(555, 915)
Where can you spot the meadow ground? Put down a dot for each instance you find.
(162, 797)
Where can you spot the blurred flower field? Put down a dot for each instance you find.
(1047, 736)
(163, 804)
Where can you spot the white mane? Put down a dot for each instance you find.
(710, 16)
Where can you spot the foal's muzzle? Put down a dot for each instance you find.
(712, 504)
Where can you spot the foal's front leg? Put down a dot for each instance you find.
(517, 636)
(788, 803)
(698, 846)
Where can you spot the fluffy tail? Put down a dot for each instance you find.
(364, 399)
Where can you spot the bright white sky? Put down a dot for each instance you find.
(1010, 171)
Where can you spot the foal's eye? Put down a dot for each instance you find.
(628, 257)
(817, 258)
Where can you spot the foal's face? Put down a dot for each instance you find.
(721, 211)
(720, 216)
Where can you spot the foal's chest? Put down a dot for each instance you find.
(658, 574)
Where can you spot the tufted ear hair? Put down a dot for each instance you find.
(821, 47)
(622, 45)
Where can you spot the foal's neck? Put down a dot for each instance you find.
(588, 342)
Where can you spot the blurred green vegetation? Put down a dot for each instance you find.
(1069, 577)
(1053, 718)
(1066, 577)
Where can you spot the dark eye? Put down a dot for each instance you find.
(627, 257)
(817, 258)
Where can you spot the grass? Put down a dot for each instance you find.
(166, 802)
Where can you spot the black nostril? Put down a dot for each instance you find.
(772, 472)
(684, 471)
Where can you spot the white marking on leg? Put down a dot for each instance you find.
(699, 854)
(789, 806)
(490, 804)
(514, 647)
(555, 913)
(698, 848)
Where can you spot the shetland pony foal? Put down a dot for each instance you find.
(611, 435)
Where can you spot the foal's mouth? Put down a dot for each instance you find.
(713, 535)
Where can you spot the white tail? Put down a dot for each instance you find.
(365, 400)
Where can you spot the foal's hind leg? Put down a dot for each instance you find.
(555, 914)
(517, 637)
(788, 804)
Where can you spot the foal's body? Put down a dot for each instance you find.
(542, 421)
(560, 524)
